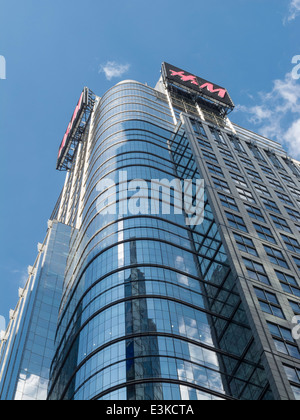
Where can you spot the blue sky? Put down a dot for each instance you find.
(55, 48)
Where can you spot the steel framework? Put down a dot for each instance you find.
(76, 135)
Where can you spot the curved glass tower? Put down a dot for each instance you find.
(158, 301)
(149, 310)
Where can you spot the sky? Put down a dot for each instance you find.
(53, 48)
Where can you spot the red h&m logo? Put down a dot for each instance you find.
(193, 79)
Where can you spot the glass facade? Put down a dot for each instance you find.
(143, 306)
(151, 311)
(28, 348)
(257, 215)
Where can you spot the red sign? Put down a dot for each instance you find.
(71, 125)
(193, 79)
(198, 84)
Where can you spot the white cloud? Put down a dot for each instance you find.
(258, 113)
(277, 114)
(113, 69)
(22, 276)
(294, 10)
(293, 137)
(2, 323)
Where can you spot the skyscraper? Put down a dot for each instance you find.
(136, 295)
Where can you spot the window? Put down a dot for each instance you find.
(295, 307)
(214, 169)
(256, 152)
(228, 202)
(288, 283)
(209, 156)
(291, 243)
(297, 261)
(231, 165)
(295, 193)
(253, 174)
(255, 213)
(256, 271)
(264, 233)
(276, 256)
(237, 145)
(221, 185)
(226, 153)
(245, 244)
(267, 170)
(287, 179)
(294, 214)
(245, 195)
(218, 136)
(275, 183)
(261, 189)
(269, 303)
(293, 375)
(247, 162)
(238, 179)
(270, 205)
(198, 128)
(296, 391)
(275, 161)
(284, 341)
(294, 168)
(204, 143)
(284, 198)
(236, 222)
(280, 223)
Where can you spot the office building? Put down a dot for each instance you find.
(130, 301)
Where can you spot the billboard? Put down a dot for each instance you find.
(199, 85)
(73, 124)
